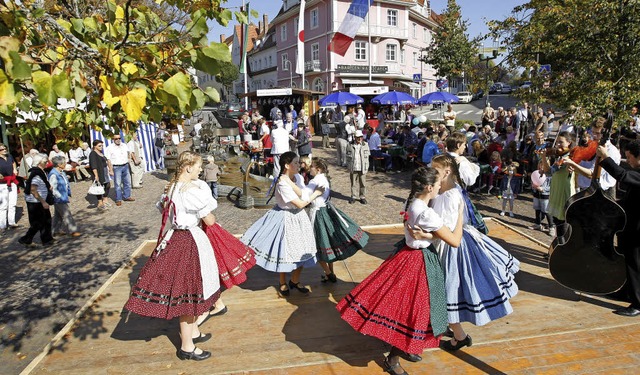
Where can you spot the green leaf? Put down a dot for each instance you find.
(254, 13)
(90, 23)
(43, 85)
(78, 25)
(224, 17)
(79, 94)
(60, 83)
(213, 94)
(179, 85)
(20, 70)
(218, 51)
(241, 17)
(155, 113)
(198, 27)
(198, 99)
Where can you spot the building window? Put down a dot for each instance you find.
(270, 62)
(392, 17)
(315, 51)
(391, 52)
(306, 85)
(318, 85)
(295, 26)
(361, 50)
(259, 64)
(285, 58)
(402, 56)
(314, 19)
(425, 34)
(283, 32)
(415, 31)
(415, 59)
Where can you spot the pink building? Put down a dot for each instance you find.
(383, 56)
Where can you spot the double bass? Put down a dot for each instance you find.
(585, 259)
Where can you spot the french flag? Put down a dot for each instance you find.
(347, 31)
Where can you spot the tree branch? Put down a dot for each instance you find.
(127, 25)
(75, 42)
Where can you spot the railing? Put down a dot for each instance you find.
(312, 66)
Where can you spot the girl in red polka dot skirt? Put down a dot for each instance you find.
(181, 279)
(403, 302)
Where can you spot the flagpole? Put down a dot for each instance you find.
(369, 42)
(244, 58)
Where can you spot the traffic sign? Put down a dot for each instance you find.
(442, 83)
(544, 69)
(417, 78)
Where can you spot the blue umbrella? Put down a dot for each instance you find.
(340, 98)
(438, 97)
(394, 98)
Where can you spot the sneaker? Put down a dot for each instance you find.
(363, 201)
(511, 214)
(502, 213)
(352, 201)
(536, 227)
(552, 232)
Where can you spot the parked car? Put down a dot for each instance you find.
(464, 97)
(493, 89)
(526, 84)
(478, 94)
(234, 110)
(506, 89)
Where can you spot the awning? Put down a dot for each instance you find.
(353, 81)
(411, 85)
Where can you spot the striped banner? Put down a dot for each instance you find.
(146, 135)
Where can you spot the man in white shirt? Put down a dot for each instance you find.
(136, 162)
(118, 157)
(360, 118)
(280, 145)
(450, 118)
(80, 162)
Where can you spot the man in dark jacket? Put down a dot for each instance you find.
(627, 239)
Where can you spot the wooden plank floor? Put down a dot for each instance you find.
(552, 329)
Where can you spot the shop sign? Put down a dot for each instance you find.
(274, 92)
(376, 69)
(368, 90)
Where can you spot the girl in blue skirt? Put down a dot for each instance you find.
(279, 237)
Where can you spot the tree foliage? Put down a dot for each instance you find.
(113, 62)
(451, 52)
(592, 46)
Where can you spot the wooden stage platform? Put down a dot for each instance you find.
(552, 329)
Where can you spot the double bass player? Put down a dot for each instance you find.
(630, 202)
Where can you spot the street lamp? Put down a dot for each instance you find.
(290, 72)
(481, 57)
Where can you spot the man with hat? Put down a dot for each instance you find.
(358, 165)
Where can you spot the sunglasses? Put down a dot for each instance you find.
(116, 139)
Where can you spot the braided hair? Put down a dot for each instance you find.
(446, 160)
(322, 166)
(185, 159)
(420, 179)
(285, 159)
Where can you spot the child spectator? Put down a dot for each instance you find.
(509, 187)
(541, 185)
(305, 166)
(496, 168)
(210, 175)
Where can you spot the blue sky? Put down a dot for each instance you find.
(477, 12)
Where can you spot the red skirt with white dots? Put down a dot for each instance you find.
(170, 283)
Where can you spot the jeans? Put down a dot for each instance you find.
(39, 221)
(214, 188)
(387, 158)
(8, 201)
(122, 181)
(62, 220)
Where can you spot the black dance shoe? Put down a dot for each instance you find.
(411, 357)
(391, 368)
(301, 289)
(330, 277)
(448, 333)
(192, 355)
(627, 311)
(202, 338)
(284, 292)
(448, 346)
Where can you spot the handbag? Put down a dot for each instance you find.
(159, 142)
(96, 189)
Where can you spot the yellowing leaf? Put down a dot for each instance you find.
(119, 13)
(7, 92)
(109, 99)
(129, 68)
(43, 84)
(8, 44)
(133, 103)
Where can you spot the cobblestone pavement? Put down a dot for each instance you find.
(44, 287)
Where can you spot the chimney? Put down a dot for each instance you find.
(265, 22)
(222, 38)
(260, 28)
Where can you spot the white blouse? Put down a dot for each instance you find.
(423, 216)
